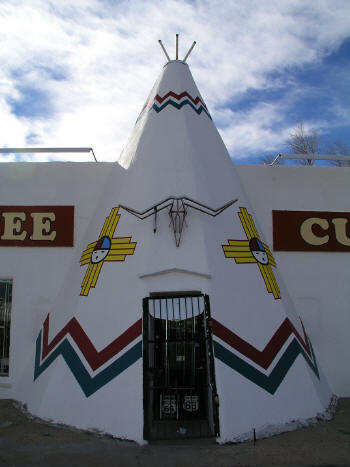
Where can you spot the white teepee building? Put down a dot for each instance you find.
(173, 320)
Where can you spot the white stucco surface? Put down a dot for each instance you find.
(317, 282)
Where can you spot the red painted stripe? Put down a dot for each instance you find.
(94, 358)
(265, 357)
(179, 97)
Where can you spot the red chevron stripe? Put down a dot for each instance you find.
(265, 357)
(94, 358)
(179, 97)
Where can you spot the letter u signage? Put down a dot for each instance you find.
(311, 231)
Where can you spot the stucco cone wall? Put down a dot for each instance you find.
(175, 150)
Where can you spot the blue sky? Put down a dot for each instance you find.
(77, 73)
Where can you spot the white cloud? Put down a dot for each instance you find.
(251, 131)
(97, 61)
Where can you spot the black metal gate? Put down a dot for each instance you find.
(179, 388)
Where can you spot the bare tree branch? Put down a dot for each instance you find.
(300, 142)
(308, 143)
(339, 148)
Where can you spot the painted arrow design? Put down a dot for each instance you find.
(266, 357)
(60, 345)
(92, 356)
(46, 353)
(178, 101)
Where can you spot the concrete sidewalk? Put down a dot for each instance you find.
(29, 442)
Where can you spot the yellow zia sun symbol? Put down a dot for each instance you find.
(253, 250)
(104, 249)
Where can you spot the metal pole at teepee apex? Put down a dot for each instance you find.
(163, 48)
(177, 49)
(188, 53)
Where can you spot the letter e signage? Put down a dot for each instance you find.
(311, 231)
(36, 225)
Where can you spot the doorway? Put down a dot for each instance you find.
(180, 399)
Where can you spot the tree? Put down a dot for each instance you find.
(300, 142)
(308, 143)
(339, 148)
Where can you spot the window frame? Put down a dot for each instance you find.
(5, 325)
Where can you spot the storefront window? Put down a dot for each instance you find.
(5, 320)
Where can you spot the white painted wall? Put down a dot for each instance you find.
(38, 273)
(318, 282)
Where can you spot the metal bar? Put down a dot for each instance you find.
(208, 207)
(5, 318)
(214, 212)
(45, 150)
(315, 156)
(177, 46)
(188, 53)
(23, 150)
(166, 53)
(170, 294)
(207, 353)
(183, 351)
(160, 407)
(93, 154)
(193, 345)
(166, 345)
(170, 200)
(275, 159)
(321, 157)
(149, 211)
(185, 339)
(141, 215)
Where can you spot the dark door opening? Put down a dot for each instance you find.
(179, 381)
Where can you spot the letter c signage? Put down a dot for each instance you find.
(308, 234)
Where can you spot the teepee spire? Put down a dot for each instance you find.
(161, 333)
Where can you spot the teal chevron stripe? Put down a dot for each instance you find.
(88, 384)
(177, 105)
(272, 381)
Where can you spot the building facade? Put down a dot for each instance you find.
(146, 299)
